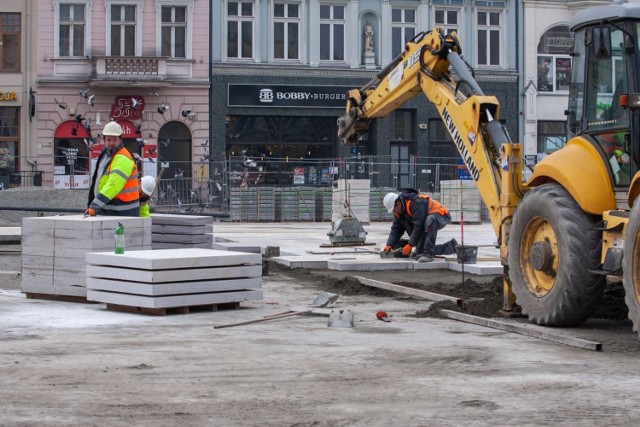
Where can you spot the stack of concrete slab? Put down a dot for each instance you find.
(170, 231)
(295, 204)
(54, 250)
(377, 211)
(252, 204)
(161, 279)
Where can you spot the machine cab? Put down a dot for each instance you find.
(604, 94)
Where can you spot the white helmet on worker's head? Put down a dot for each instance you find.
(147, 185)
(112, 129)
(389, 201)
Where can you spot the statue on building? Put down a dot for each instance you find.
(368, 37)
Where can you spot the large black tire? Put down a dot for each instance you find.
(551, 233)
(631, 267)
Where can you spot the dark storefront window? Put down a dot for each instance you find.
(277, 150)
(9, 139)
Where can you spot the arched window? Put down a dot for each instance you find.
(554, 62)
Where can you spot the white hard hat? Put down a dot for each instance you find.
(112, 129)
(389, 201)
(147, 184)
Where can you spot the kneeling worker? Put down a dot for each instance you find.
(147, 186)
(420, 217)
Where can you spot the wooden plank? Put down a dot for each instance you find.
(50, 297)
(431, 296)
(528, 330)
(168, 310)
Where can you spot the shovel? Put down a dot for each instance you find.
(341, 319)
(325, 299)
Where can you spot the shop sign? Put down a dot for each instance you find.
(294, 96)
(8, 96)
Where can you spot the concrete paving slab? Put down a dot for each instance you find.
(237, 247)
(177, 288)
(166, 245)
(39, 262)
(301, 262)
(10, 235)
(181, 229)
(173, 219)
(74, 291)
(173, 301)
(76, 280)
(163, 276)
(480, 268)
(182, 238)
(33, 278)
(171, 259)
(37, 250)
(436, 264)
(367, 265)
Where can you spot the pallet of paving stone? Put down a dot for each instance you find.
(174, 278)
(252, 204)
(295, 204)
(356, 191)
(324, 197)
(54, 250)
(461, 196)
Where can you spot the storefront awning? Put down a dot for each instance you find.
(71, 129)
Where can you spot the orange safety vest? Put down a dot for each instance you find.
(433, 206)
(129, 192)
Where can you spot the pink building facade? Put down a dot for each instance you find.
(142, 63)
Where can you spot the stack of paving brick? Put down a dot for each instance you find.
(377, 211)
(163, 279)
(54, 250)
(295, 204)
(181, 231)
(252, 204)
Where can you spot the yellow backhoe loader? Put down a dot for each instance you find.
(573, 224)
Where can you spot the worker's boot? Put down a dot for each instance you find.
(425, 258)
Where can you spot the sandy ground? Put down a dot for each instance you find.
(81, 365)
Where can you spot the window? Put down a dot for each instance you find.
(488, 37)
(71, 30)
(286, 26)
(123, 29)
(554, 62)
(9, 138)
(174, 32)
(403, 28)
(551, 136)
(9, 42)
(240, 28)
(332, 25)
(447, 20)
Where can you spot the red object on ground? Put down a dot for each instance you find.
(382, 315)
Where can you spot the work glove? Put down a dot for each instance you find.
(387, 248)
(406, 250)
(89, 212)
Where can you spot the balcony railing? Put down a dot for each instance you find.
(126, 67)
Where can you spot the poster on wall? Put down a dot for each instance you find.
(325, 176)
(563, 73)
(545, 76)
(313, 175)
(298, 176)
(7, 155)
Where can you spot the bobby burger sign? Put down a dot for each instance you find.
(246, 95)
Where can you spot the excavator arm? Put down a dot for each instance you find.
(471, 118)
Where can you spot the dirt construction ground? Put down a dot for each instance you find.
(73, 364)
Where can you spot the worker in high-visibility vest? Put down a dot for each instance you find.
(114, 187)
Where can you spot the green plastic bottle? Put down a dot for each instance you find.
(120, 239)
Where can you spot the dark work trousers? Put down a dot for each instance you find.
(427, 243)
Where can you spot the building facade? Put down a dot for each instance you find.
(281, 70)
(142, 63)
(17, 89)
(547, 69)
